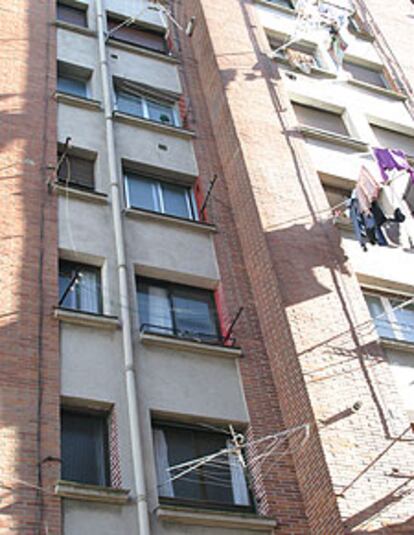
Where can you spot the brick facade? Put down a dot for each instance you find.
(29, 373)
(310, 350)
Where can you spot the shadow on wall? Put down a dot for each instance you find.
(298, 250)
(370, 512)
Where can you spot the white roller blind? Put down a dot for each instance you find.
(238, 479)
(321, 119)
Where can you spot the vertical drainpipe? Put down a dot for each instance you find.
(131, 390)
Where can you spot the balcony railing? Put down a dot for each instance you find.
(192, 336)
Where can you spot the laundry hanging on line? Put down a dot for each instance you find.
(367, 189)
(300, 60)
(392, 159)
(377, 210)
(337, 45)
(367, 226)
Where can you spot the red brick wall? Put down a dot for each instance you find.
(29, 374)
(306, 359)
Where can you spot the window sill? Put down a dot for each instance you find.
(402, 345)
(91, 493)
(80, 102)
(229, 520)
(83, 195)
(86, 319)
(137, 213)
(338, 139)
(114, 43)
(172, 342)
(74, 28)
(152, 125)
(380, 90)
(276, 7)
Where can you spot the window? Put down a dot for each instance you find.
(337, 197)
(283, 3)
(320, 119)
(299, 55)
(134, 35)
(146, 103)
(390, 321)
(365, 74)
(77, 171)
(221, 484)
(80, 287)
(164, 197)
(73, 80)
(85, 457)
(394, 140)
(177, 310)
(358, 27)
(72, 14)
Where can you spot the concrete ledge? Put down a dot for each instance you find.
(172, 342)
(114, 43)
(331, 137)
(223, 519)
(75, 317)
(91, 493)
(153, 125)
(402, 345)
(136, 213)
(379, 90)
(83, 195)
(79, 102)
(74, 28)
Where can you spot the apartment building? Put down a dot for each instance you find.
(193, 340)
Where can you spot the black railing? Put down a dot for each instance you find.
(193, 336)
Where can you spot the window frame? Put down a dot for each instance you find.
(392, 131)
(300, 46)
(162, 424)
(80, 8)
(103, 464)
(339, 115)
(380, 71)
(173, 331)
(75, 73)
(158, 182)
(144, 99)
(117, 20)
(76, 153)
(287, 4)
(76, 267)
(389, 316)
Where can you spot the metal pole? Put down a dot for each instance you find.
(131, 391)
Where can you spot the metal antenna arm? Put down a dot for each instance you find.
(233, 323)
(69, 287)
(210, 189)
(64, 154)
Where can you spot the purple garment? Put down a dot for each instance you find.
(389, 159)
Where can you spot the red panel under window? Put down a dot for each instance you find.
(136, 36)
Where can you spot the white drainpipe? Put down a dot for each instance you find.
(131, 391)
